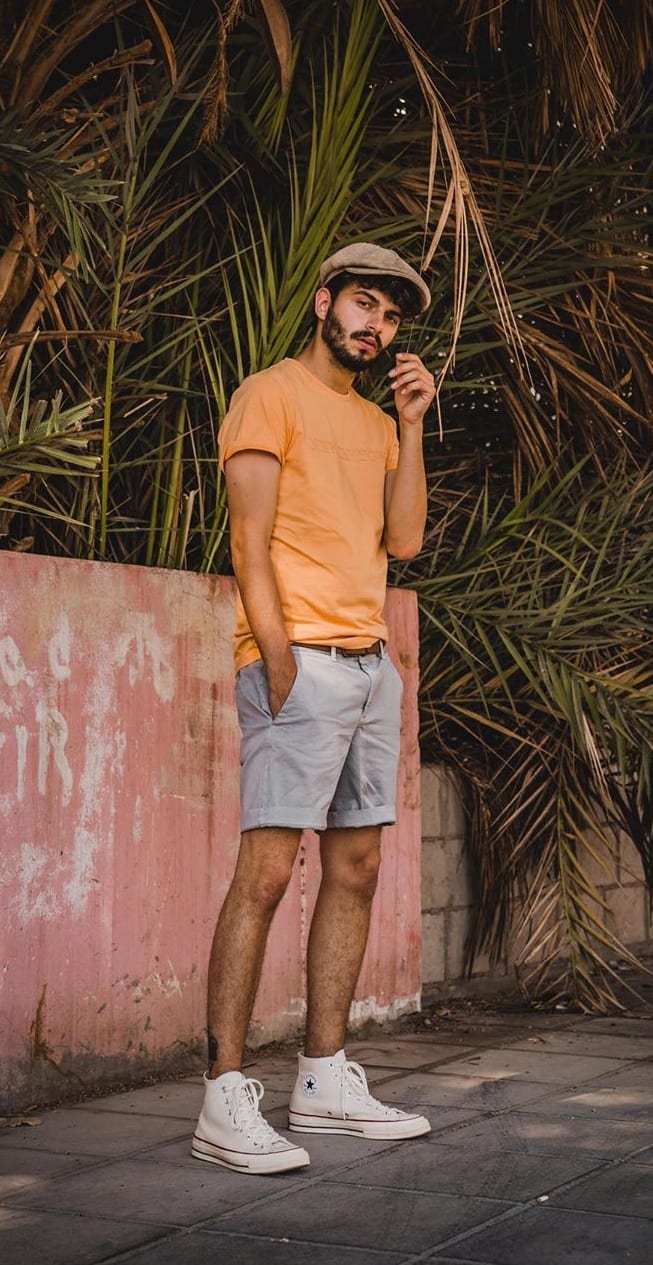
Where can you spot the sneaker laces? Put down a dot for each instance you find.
(245, 1100)
(354, 1082)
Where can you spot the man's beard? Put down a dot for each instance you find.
(335, 337)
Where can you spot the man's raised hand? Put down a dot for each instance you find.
(414, 387)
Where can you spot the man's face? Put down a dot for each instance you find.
(359, 324)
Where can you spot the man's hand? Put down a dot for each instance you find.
(281, 678)
(414, 387)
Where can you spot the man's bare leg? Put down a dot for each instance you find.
(331, 1094)
(339, 930)
(264, 866)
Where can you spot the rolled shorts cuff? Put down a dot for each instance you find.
(280, 818)
(345, 818)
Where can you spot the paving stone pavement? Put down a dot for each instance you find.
(541, 1152)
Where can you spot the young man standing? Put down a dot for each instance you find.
(319, 494)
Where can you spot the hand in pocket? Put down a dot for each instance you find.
(280, 682)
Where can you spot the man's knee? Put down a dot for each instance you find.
(265, 865)
(271, 884)
(355, 867)
(365, 872)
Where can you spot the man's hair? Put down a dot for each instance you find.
(405, 295)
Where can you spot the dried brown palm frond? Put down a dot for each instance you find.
(476, 13)
(228, 14)
(578, 45)
(589, 55)
(39, 49)
(162, 38)
(215, 101)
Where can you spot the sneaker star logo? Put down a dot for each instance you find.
(310, 1085)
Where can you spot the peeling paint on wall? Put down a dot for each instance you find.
(59, 649)
(167, 985)
(147, 653)
(35, 896)
(12, 667)
(52, 740)
(364, 1008)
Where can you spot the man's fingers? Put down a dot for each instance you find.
(409, 370)
(404, 379)
(411, 378)
(414, 382)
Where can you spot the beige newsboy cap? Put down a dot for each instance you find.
(366, 258)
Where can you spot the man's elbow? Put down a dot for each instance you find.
(404, 550)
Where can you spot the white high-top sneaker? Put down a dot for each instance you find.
(232, 1131)
(331, 1096)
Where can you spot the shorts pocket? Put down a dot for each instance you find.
(290, 699)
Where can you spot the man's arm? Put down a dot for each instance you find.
(252, 480)
(405, 487)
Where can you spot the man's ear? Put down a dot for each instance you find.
(322, 302)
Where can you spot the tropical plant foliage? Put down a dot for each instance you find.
(538, 687)
(170, 179)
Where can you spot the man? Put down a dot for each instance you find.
(319, 494)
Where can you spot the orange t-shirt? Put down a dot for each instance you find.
(327, 548)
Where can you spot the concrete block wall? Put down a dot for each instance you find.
(447, 892)
(617, 876)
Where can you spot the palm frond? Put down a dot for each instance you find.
(538, 688)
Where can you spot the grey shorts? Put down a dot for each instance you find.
(329, 758)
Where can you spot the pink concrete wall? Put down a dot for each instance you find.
(119, 819)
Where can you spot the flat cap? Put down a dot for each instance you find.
(366, 258)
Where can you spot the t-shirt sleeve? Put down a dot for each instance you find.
(392, 444)
(257, 419)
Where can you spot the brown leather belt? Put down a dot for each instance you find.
(375, 648)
